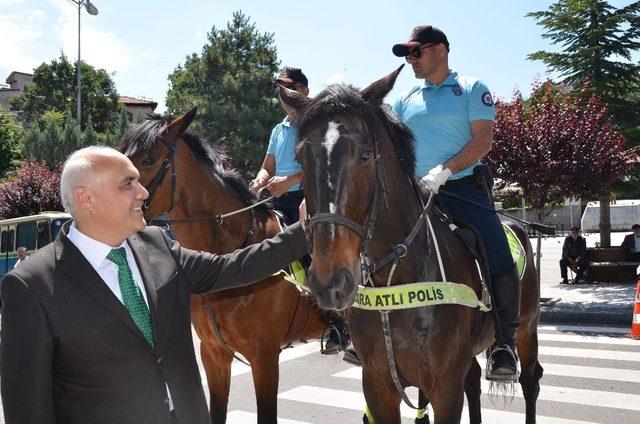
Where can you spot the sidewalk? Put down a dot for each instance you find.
(590, 303)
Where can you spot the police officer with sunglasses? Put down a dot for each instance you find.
(452, 118)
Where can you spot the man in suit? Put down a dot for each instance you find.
(631, 243)
(574, 254)
(96, 326)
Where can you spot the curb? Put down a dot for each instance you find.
(619, 316)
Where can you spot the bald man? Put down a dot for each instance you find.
(96, 326)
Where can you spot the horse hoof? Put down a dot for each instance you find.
(365, 419)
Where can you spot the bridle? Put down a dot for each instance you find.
(163, 220)
(365, 232)
(159, 177)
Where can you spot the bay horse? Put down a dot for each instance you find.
(358, 163)
(255, 320)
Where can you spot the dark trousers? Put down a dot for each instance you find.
(485, 221)
(582, 267)
(289, 204)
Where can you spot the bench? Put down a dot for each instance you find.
(610, 264)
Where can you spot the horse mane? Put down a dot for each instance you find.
(340, 99)
(144, 137)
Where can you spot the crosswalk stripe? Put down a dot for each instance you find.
(556, 394)
(585, 328)
(242, 417)
(238, 368)
(355, 401)
(575, 338)
(589, 353)
(563, 370)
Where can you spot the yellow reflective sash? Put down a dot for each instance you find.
(416, 295)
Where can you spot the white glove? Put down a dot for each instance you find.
(435, 178)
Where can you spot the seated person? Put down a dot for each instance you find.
(281, 173)
(631, 243)
(574, 254)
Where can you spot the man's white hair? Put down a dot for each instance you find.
(76, 172)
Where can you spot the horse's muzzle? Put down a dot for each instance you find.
(335, 294)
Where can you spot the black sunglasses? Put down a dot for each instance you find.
(416, 52)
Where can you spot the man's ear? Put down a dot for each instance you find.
(85, 198)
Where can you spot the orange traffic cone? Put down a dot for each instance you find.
(635, 323)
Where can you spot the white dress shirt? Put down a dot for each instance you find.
(96, 253)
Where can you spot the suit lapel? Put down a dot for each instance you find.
(154, 274)
(80, 273)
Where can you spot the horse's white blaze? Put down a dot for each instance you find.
(330, 139)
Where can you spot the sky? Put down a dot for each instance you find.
(140, 42)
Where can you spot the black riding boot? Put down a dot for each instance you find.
(501, 357)
(337, 338)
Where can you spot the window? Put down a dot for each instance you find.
(44, 236)
(7, 241)
(27, 235)
(56, 224)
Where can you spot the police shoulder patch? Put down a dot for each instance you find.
(457, 90)
(487, 99)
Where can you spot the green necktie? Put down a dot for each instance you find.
(131, 294)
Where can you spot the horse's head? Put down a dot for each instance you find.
(339, 151)
(151, 146)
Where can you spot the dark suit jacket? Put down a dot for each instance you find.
(571, 248)
(629, 243)
(70, 352)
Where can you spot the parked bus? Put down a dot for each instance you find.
(32, 232)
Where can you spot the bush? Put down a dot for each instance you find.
(33, 189)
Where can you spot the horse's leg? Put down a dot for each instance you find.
(472, 390)
(531, 371)
(265, 380)
(217, 366)
(382, 399)
(423, 402)
(447, 398)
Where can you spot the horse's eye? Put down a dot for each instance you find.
(366, 155)
(148, 161)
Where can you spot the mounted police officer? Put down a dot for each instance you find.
(452, 118)
(281, 174)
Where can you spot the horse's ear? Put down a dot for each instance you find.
(292, 98)
(376, 92)
(181, 123)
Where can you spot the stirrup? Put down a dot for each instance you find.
(330, 350)
(506, 375)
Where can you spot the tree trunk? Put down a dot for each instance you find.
(605, 220)
(539, 214)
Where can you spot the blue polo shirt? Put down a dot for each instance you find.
(439, 116)
(282, 145)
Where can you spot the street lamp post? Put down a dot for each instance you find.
(92, 10)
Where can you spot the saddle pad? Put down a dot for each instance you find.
(518, 251)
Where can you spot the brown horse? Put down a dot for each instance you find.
(186, 180)
(361, 196)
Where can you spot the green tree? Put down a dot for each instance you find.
(10, 135)
(230, 82)
(597, 42)
(54, 87)
(89, 138)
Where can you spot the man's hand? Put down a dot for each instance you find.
(303, 212)
(279, 185)
(256, 184)
(436, 178)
